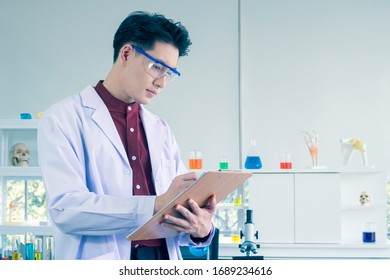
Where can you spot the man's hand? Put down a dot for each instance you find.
(179, 184)
(197, 221)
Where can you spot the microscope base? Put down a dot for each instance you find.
(248, 257)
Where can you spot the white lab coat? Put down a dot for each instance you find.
(88, 178)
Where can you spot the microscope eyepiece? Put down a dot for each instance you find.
(249, 216)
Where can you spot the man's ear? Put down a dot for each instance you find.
(125, 52)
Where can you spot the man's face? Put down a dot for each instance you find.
(137, 85)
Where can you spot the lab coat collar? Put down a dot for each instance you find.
(154, 131)
(101, 116)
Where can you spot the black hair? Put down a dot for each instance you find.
(144, 29)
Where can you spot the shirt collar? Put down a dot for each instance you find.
(113, 104)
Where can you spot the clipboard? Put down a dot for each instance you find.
(220, 183)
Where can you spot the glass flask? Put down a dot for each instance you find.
(253, 160)
(198, 251)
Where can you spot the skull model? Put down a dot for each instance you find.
(19, 155)
(365, 199)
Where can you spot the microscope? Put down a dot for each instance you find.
(249, 246)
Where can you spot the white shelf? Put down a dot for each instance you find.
(222, 205)
(327, 251)
(345, 244)
(19, 124)
(292, 171)
(31, 171)
(362, 170)
(358, 207)
(23, 228)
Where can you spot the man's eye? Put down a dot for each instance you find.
(157, 67)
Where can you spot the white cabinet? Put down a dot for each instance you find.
(354, 215)
(317, 213)
(22, 194)
(271, 197)
(296, 207)
(317, 208)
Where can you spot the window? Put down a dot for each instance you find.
(230, 214)
(23, 200)
(23, 203)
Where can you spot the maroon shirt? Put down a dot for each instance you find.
(128, 123)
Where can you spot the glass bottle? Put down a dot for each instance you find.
(29, 246)
(15, 248)
(38, 249)
(253, 160)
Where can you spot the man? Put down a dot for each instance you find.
(108, 164)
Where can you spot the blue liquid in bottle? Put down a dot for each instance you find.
(198, 251)
(29, 251)
(253, 162)
(369, 237)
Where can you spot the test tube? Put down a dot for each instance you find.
(15, 249)
(198, 159)
(4, 255)
(282, 160)
(50, 248)
(38, 249)
(191, 160)
(30, 246)
(288, 163)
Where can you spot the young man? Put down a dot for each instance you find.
(108, 164)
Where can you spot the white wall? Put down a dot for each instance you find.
(305, 65)
(51, 49)
(321, 65)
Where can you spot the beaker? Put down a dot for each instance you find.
(223, 163)
(253, 160)
(285, 161)
(369, 232)
(195, 160)
(236, 236)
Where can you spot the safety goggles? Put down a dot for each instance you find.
(157, 69)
